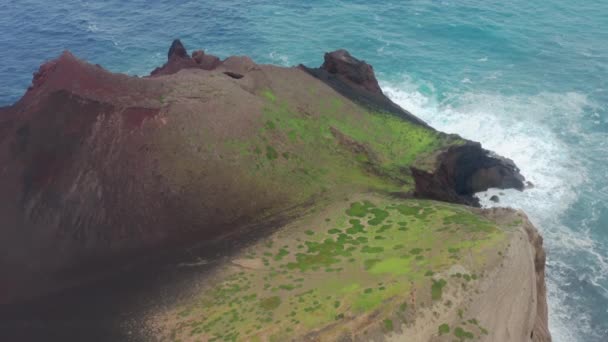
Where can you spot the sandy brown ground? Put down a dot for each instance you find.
(504, 301)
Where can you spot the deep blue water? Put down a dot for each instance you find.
(529, 79)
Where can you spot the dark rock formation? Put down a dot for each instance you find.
(495, 199)
(347, 67)
(177, 49)
(233, 75)
(178, 59)
(356, 80)
(461, 171)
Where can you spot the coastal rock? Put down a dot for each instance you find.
(177, 49)
(540, 332)
(345, 66)
(101, 171)
(206, 62)
(239, 64)
(178, 59)
(459, 172)
(355, 80)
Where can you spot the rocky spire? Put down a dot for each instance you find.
(177, 49)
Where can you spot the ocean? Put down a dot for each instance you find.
(528, 79)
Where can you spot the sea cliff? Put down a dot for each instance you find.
(368, 227)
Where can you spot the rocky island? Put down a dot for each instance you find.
(302, 203)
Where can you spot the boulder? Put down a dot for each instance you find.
(205, 61)
(342, 64)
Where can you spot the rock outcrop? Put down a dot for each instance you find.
(99, 168)
(355, 80)
(178, 59)
(350, 69)
(461, 171)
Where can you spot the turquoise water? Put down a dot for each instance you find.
(526, 78)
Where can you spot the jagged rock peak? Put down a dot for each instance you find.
(177, 49)
(340, 62)
(178, 59)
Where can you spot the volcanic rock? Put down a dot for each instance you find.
(178, 59)
(177, 49)
(345, 66)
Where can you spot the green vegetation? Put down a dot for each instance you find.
(437, 289)
(463, 334)
(362, 257)
(443, 329)
(331, 146)
(388, 325)
(359, 209)
(270, 303)
(271, 153)
(335, 268)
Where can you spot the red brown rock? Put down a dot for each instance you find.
(342, 64)
(178, 59)
(177, 49)
(206, 62)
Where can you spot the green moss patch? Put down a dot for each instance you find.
(388, 325)
(462, 334)
(331, 146)
(334, 268)
(271, 153)
(270, 303)
(437, 288)
(443, 329)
